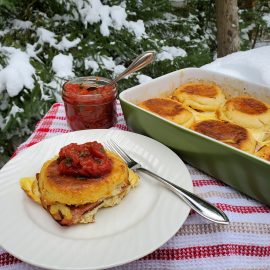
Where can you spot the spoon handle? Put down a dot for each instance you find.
(141, 61)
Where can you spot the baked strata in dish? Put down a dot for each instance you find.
(242, 121)
(80, 180)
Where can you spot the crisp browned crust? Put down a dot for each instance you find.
(247, 105)
(226, 132)
(247, 112)
(264, 152)
(169, 109)
(199, 89)
(202, 96)
(163, 107)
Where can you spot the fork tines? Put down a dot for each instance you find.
(112, 146)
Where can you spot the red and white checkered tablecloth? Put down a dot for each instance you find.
(199, 244)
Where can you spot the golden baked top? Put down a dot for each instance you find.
(246, 111)
(247, 105)
(202, 96)
(200, 89)
(226, 132)
(163, 107)
(67, 189)
(169, 109)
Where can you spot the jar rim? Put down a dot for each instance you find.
(94, 79)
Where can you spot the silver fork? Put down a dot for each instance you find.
(199, 205)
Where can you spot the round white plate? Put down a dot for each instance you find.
(148, 217)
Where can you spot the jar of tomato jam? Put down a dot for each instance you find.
(90, 102)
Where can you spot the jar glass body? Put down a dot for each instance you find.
(90, 103)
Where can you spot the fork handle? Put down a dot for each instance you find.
(199, 205)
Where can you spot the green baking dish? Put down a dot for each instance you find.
(243, 171)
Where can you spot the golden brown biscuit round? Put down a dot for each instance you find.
(226, 132)
(264, 152)
(201, 96)
(71, 190)
(169, 109)
(246, 111)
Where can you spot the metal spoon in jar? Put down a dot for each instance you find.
(139, 62)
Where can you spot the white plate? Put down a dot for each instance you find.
(148, 217)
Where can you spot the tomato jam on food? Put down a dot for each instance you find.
(90, 103)
(84, 160)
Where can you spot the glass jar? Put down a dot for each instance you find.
(90, 102)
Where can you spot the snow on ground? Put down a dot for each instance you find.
(62, 65)
(252, 65)
(18, 67)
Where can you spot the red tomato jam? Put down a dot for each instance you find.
(90, 103)
(84, 160)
